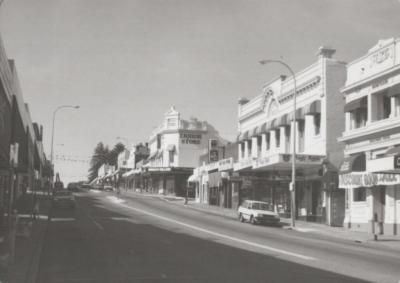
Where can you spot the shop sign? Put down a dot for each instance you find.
(225, 164)
(366, 179)
(189, 138)
(211, 166)
(303, 158)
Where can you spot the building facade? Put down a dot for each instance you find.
(175, 147)
(265, 142)
(370, 171)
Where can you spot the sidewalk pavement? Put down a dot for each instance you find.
(389, 241)
(29, 241)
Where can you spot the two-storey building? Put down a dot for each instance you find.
(370, 172)
(265, 139)
(175, 147)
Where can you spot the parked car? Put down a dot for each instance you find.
(258, 212)
(64, 198)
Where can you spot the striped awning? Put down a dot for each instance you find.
(313, 108)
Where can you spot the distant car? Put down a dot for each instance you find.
(108, 188)
(73, 187)
(258, 212)
(64, 198)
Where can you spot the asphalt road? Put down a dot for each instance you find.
(144, 239)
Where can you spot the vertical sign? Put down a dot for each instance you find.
(212, 150)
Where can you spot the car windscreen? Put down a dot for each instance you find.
(262, 206)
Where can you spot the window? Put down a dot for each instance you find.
(317, 124)
(278, 137)
(268, 140)
(171, 156)
(249, 147)
(158, 141)
(359, 194)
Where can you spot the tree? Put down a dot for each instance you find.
(99, 157)
(102, 155)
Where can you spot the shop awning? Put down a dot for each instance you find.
(193, 178)
(283, 121)
(299, 114)
(313, 108)
(359, 103)
(352, 163)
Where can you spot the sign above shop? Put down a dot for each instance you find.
(190, 138)
(367, 179)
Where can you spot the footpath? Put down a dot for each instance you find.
(392, 242)
(30, 234)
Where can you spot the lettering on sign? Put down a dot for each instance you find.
(188, 138)
(364, 179)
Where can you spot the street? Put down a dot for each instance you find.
(110, 238)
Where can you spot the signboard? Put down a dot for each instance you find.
(190, 138)
(212, 150)
(225, 164)
(367, 179)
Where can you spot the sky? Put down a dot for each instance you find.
(126, 62)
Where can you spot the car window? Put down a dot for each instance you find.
(262, 206)
(62, 193)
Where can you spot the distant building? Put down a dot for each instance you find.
(370, 172)
(175, 147)
(132, 179)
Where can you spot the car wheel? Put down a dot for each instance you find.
(253, 220)
(241, 219)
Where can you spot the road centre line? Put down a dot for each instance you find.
(265, 247)
(96, 223)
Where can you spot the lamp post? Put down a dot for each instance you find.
(293, 183)
(52, 131)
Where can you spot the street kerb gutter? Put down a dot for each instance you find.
(35, 259)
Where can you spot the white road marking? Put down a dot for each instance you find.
(62, 219)
(252, 244)
(96, 223)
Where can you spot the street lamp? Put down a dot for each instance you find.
(293, 183)
(52, 131)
